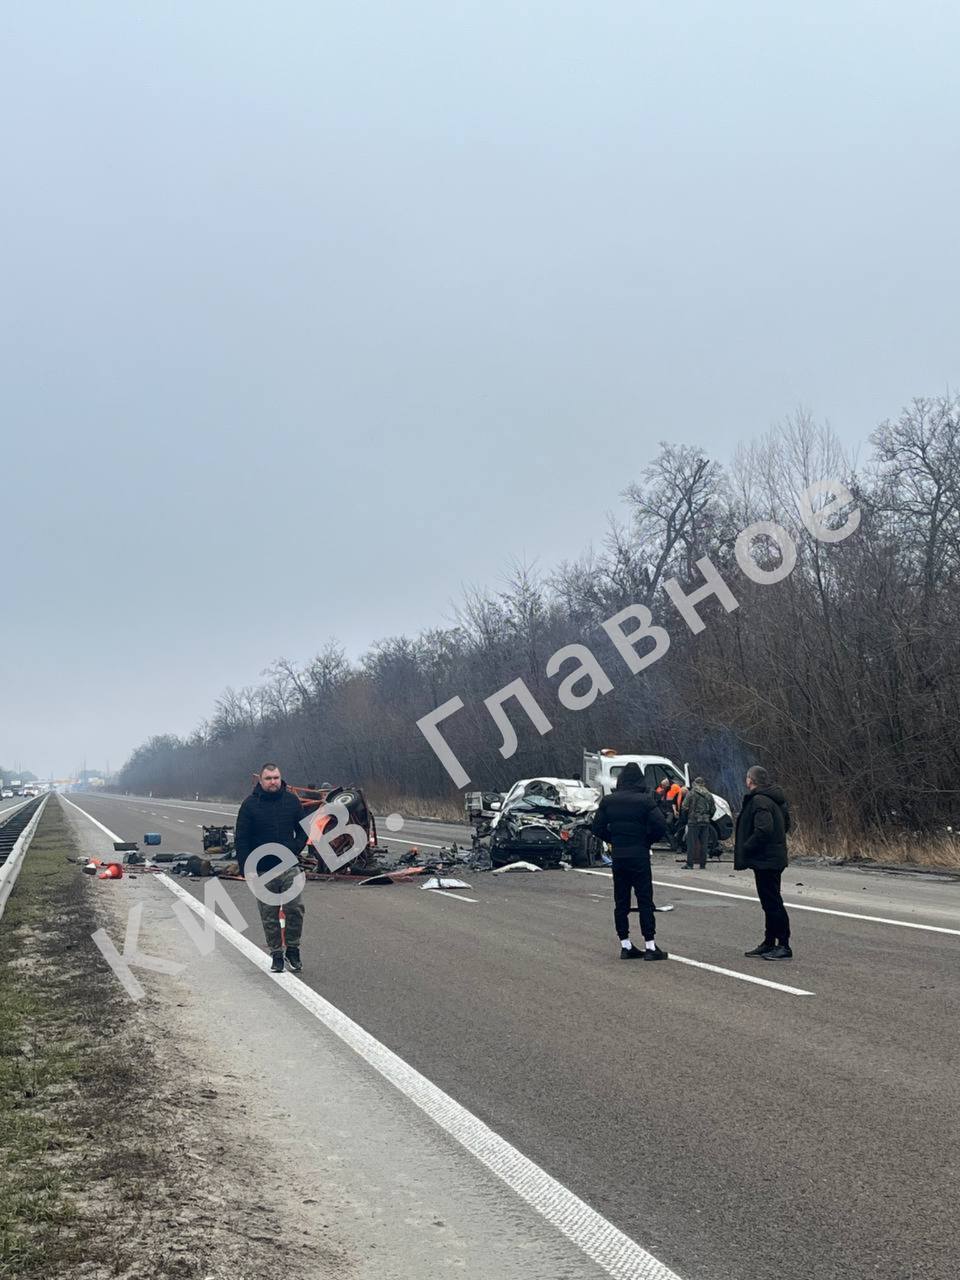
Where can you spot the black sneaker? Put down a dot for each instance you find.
(779, 953)
(655, 954)
(630, 953)
(293, 959)
(763, 949)
(276, 962)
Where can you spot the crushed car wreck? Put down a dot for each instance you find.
(545, 821)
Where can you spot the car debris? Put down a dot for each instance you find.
(445, 882)
(371, 858)
(218, 839)
(480, 809)
(396, 876)
(516, 866)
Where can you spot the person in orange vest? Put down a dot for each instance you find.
(669, 795)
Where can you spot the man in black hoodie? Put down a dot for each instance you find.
(271, 815)
(760, 846)
(630, 820)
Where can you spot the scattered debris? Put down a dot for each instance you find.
(516, 866)
(218, 839)
(396, 876)
(445, 882)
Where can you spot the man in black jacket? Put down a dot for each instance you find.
(630, 820)
(271, 815)
(760, 845)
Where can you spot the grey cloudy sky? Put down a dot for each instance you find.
(312, 313)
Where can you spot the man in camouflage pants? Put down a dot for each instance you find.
(698, 810)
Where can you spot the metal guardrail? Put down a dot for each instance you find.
(15, 836)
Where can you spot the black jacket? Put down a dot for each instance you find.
(629, 821)
(762, 825)
(269, 818)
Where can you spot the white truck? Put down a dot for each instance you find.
(602, 768)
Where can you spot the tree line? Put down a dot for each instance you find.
(7, 775)
(843, 678)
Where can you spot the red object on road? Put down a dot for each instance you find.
(113, 872)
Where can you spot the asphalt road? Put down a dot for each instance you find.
(5, 805)
(736, 1131)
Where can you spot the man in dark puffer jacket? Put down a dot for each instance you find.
(271, 815)
(630, 820)
(760, 846)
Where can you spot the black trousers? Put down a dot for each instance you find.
(776, 920)
(632, 874)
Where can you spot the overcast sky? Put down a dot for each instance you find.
(312, 313)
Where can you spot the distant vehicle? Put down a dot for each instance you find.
(6, 793)
(31, 790)
(602, 768)
(480, 809)
(16, 786)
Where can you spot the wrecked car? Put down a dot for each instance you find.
(544, 821)
(370, 859)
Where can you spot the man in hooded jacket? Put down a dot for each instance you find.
(630, 820)
(760, 846)
(271, 815)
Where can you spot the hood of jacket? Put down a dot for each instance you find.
(631, 778)
(775, 793)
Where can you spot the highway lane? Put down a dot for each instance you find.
(415, 831)
(736, 1131)
(919, 898)
(10, 804)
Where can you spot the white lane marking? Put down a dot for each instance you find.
(181, 819)
(744, 977)
(794, 906)
(96, 822)
(618, 1255)
(447, 894)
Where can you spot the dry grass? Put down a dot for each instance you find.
(442, 810)
(883, 848)
(77, 1151)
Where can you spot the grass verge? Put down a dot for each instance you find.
(67, 1055)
